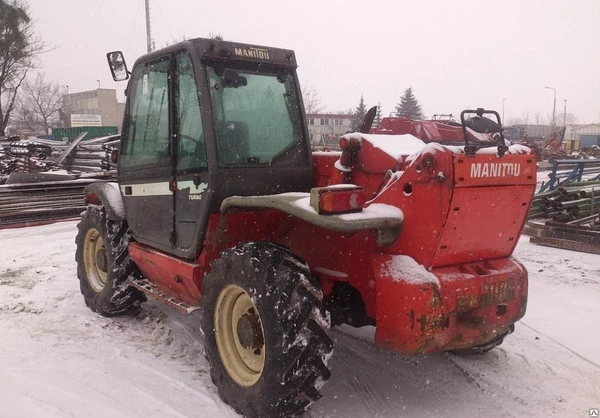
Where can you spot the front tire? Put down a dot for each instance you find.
(265, 331)
(104, 265)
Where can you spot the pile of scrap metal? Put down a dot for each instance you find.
(579, 235)
(43, 155)
(24, 156)
(31, 199)
(568, 203)
(85, 156)
(551, 147)
(43, 180)
(567, 217)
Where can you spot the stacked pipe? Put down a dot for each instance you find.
(570, 202)
(88, 155)
(30, 203)
(25, 156)
(570, 216)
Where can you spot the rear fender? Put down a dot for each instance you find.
(108, 195)
(410, 314)
(385, 219)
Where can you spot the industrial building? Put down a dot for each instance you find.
(325, 129)
(579, 137)
(98, 107)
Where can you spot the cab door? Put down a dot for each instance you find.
(145, 167)
(193, 186)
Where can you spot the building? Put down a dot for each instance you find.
(531, 132)
(325, 129)
(92, 108)
(579, 137)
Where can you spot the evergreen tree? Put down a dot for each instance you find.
(409, 106)
(359, 115)
(377, 119)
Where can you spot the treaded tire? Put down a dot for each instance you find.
(294, 322)
(480, 349)
(116, 297)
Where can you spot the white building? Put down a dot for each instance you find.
(582, 136)
(325, 129)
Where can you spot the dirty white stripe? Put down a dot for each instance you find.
(162, 188)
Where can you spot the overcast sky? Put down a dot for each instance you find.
(454, 54)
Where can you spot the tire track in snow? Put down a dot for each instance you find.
(361, 385)
(368, 381)
(533, 377)
(563, 346)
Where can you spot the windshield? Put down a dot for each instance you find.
(256, 115)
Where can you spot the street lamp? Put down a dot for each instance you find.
(565, 114)
(554, 108)
(503, 100)
(98, 84)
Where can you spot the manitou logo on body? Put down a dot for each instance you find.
(260, 53)
(495, 170)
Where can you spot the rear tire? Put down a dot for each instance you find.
(104, 265)
(271, 360)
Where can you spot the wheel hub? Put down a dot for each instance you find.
(239, 335)
(95, 260)
(249, 331)
(101, 259)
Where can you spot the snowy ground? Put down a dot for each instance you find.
(58, 359)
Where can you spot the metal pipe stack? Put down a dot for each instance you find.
(32, 203)
(567, 218)
(573, 201)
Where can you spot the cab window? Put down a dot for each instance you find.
(146, 133)
(191, 150)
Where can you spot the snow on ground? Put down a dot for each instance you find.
(59, 359)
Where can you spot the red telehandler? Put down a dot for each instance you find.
(221, 205)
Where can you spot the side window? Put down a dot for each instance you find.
(146, 139)
(191, 150)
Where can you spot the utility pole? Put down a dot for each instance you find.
(148, 33)
(565, 114)
(554, 108)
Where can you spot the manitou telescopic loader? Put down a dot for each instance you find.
(221, 205)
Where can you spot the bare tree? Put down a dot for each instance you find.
(538, 118)
(519, 120)
(216, 35)
(571, 119)
(183, 37)
(514, 121)
(38, 105)
(19, 47)
(312, 100)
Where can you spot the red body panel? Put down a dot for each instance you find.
(459, 224)
(484, 223)
(489, 170)
(323, 164)
(175, 276)
(469, 306)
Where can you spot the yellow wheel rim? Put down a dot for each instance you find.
(239, 335)
(94, 258)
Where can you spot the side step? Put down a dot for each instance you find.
(150, 289)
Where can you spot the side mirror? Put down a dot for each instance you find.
(117, 65)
